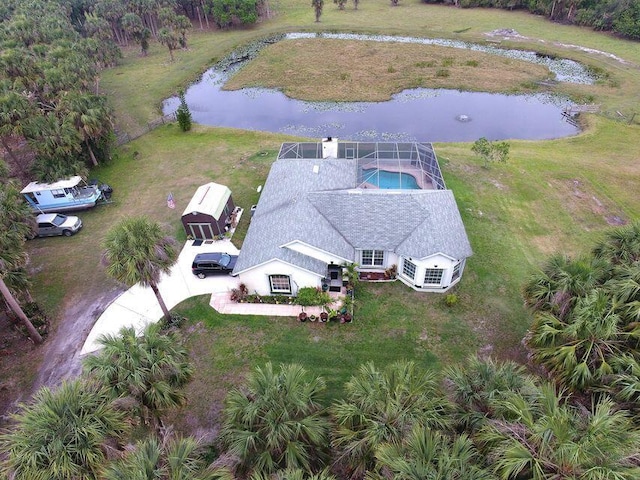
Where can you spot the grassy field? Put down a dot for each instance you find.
(551, 195)
(373, 71)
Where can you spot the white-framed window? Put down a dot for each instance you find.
(372, 258)
(409, 269)
(58, 193)
(280, 283)
(433, 276)
(456, 271)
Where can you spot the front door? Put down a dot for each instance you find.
(334, 273)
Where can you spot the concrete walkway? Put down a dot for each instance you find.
(223, 304)
(138, 306)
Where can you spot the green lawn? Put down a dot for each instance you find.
(551, 195)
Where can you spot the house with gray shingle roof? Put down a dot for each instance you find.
(379, 205)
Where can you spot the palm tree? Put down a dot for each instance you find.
(90, 116)
(561, 281)
(293, 474)
(151, 368)
(381, 407)
(621, 246)
(16, 224)
(170, 39)
(34, 335)
(14, 109)
(52, 137)
(52, 169)
(590, 345)
(136, 251)
(586, 330)
(172, 458)
(63, 434)
(550, 439)
(133, 25)
(476, 386)
(317, 5)
(426, 454)
(625, 387)
(625, 289)
(275, 421)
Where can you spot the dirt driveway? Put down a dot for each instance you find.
(61, 351)
(103, 307)
(25, 367)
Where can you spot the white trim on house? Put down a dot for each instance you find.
(259, 278)
(280, 291)
(424, 267)
(435, 255)
(360, 260)
(314, 252)
(275, 260)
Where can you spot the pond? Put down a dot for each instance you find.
(412, 115)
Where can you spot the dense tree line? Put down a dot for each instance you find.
(481, 420)
(484, 420)
(621, 17)
(53, 121)
(127, 20)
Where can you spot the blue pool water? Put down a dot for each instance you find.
(390, 180)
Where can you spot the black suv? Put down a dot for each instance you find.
(213, 264)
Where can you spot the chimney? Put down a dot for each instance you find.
(330, 147)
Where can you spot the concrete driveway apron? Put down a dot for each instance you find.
(139, 306)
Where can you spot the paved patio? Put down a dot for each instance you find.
(138, 306)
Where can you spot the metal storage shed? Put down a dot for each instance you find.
(209, 212)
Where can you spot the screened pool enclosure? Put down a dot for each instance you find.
(388, 165)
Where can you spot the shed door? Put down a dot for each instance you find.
(201, 230)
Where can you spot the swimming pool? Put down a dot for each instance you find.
(390, 180)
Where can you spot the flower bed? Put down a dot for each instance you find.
(306, 297)
(274, 299)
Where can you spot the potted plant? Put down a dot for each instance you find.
(391, 272)
(352, 276)
(324, 316)
(302, 316)
(346, 310)
(308, 296)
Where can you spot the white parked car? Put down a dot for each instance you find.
(50, 224)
